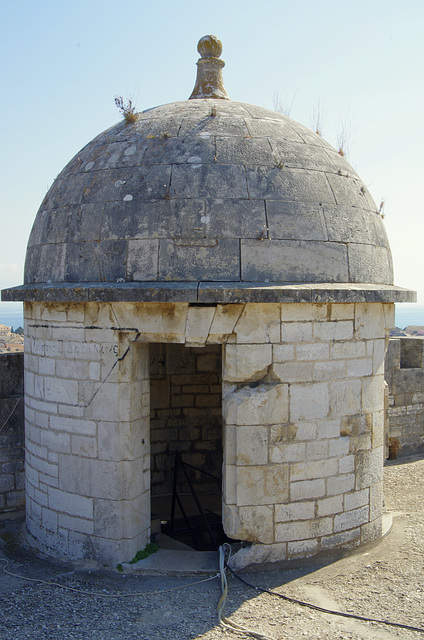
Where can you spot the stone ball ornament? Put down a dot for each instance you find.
(209, 47)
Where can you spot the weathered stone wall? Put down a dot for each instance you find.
(303, 408)
(185, 414)
(12, 452)
(303, 404)
(404, 375)
(87, 433)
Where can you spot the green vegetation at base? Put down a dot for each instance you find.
(150, 548)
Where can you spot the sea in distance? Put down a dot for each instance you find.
(407, 314)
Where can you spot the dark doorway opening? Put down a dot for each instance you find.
(185, 417)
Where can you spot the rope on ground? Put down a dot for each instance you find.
(99, 594)
(223, 621)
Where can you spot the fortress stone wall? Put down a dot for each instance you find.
(12, 453)
(404, 374)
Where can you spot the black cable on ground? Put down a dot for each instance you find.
(321, 609)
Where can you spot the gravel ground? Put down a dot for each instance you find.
(385, 580)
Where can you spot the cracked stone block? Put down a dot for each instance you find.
(259, 323)
(257, 405)
(198, 324)
(224, 321)
(258, 553)
(163, 322)
(253, 524)
(246, 363)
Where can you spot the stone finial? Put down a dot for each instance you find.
(209, 81)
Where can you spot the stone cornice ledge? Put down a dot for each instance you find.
(207, 292)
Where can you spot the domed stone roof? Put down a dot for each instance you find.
(208, 190)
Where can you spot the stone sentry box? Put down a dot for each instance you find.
(207, 222)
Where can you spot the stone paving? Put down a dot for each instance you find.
(384, 580)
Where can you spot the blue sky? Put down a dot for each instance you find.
(361, 62)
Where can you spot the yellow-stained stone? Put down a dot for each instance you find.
(259, 323)
(258, 485)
